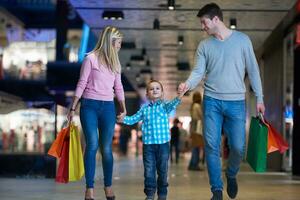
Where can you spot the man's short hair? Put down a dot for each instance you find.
(211, 10)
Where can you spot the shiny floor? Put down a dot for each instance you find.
(128, 185)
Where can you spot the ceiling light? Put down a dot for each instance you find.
(128, 66)
(143, 51)
(171, 4)
(137, 78)
(148, 63)
(112, 15)
(156, 24)
(233, 23)
(180, 40)
(184, 66)
(145, 71)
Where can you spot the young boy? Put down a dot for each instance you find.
(156, 138)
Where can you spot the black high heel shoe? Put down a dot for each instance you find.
(111, 198)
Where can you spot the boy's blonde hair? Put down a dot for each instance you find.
(105, 51)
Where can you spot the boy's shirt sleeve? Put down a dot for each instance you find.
(129, 120)
(171, 105)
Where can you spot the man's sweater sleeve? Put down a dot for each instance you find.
(253, 71)
(199, 68)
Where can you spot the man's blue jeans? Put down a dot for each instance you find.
(98, 115)
(231, 116)
(156, 158)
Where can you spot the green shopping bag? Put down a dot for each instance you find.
(257, 145)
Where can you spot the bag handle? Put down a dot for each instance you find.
(261, 117)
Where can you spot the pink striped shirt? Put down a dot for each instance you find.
(98, 82)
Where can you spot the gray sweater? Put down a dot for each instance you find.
(224, 65)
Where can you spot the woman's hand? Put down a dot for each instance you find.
(121, 116)
(70, 115)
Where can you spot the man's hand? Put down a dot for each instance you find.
(260, 108)
(182, 89)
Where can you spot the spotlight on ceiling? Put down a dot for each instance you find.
(156, 24)
(112, 15)
(171, 4)
(148, 63)
(180, 40)
(233, 23)
(138, 78)
(183, 66)
(144, 51)
(128, 66)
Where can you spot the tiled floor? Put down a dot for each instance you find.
(128, 185)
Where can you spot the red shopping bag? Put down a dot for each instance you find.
(275, 140)
(62, 175)
(56, 147)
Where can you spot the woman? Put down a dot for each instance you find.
(100, 78)
(196, 132)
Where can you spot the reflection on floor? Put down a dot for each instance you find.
(128, 185)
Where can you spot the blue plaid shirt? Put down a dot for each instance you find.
(155, 126)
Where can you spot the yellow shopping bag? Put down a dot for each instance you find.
(76, 167)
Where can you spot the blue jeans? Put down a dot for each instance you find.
(98, 115)
(156, 158)
(195, 158)
(174, 145)
(231, 115)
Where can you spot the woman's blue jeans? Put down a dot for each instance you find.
(98, 115)
(231, 115)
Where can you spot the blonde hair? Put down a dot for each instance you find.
(197, 98)
(105, 51)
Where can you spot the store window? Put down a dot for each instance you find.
(26, 131)
(27, 60)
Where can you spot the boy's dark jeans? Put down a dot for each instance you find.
(156, 158)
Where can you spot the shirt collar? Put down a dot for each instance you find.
(153, 103)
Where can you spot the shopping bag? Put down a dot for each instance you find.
(56, 147)
(199, 128)
(62, 175)
(275, 140)
(272, 144)
(257, 145)
(76, 167)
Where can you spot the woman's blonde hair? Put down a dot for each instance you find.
(105, 51)
(197, 98)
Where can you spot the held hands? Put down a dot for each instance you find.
(182, 89)
(120, 117)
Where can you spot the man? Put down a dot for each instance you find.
(223, 59)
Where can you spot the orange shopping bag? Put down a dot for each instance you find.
(56, 147)
(275, 140)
